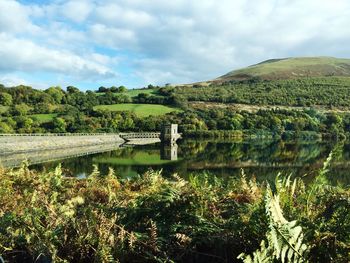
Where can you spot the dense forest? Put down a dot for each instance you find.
(328, 91)
(27, 110)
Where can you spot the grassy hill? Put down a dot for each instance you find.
(304, 81)
(290, 68)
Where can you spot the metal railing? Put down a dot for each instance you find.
(140, 135)
(56, 134)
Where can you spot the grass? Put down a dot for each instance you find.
(135, 92)
(294, 67)
(141, 110)
(43, 118)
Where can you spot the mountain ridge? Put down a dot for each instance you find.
(288, 68)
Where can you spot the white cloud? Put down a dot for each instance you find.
(167, 41)
(15, 17)
(77, 10)
(196, 40)
(113, 37)
(117, 15)
(10, 80)
(23, 55)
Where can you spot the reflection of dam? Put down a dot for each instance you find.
(15, 159)
(153, 157)
(169, 152)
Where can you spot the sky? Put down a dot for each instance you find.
(93, 43)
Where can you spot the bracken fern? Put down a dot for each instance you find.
(285, 238)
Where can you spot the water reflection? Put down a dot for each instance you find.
(169, 152)
(262, 159)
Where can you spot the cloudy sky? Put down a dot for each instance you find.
(89, 43)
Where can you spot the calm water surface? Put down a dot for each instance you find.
(259, 158)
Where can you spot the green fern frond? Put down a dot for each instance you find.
(111, 173)
(292, 190)
(285, 238)
(95, 172)
(286, 184)
(94, 177)
(58, 170)
(153, 236)
(259, 256)
(319, 183)
(325, 168)
(180, 181)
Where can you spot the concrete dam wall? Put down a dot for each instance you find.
(16, 159)
(10, 144)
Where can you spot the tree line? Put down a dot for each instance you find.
(328, 91)
(73, 111)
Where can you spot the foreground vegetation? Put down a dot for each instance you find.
(45, 216)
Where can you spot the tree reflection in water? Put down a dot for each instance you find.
(260, 158)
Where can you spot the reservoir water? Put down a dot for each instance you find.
(260, 158)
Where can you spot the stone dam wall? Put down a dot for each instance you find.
(16, 159)
(10, 144)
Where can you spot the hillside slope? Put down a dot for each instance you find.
(289, 68)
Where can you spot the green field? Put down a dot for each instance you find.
(135, 92)
(43, 118)
(141, 110)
